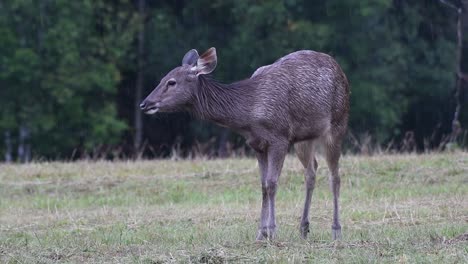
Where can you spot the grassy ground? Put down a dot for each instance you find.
(407, 209)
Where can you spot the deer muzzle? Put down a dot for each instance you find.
(149, 107)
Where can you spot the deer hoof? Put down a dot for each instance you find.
(304, 230)
(261, 236)
(271, 231)
(336, 233)
(266, 233)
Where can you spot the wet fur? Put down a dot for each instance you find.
(301, 99)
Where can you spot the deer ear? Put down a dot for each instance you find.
(190, 58)
(207, 62)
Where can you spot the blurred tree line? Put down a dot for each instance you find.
(73, 72)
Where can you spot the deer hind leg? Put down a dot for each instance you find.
(333, 152)
(305, 151)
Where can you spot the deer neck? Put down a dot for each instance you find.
(227, 105)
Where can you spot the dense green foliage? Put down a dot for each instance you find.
(68, 68)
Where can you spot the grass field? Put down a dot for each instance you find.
(395, 209)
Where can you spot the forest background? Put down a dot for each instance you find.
(72, 73)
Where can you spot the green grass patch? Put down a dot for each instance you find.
(405, 209)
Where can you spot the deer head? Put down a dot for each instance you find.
(176, 89)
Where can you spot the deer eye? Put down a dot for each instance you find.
(171, 82)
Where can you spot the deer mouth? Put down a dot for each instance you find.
(152, 110)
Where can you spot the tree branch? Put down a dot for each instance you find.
(451, 5)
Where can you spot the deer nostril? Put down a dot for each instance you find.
(142, 105)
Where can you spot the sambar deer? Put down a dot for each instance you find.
(301, 99)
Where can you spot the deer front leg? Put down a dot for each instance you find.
(263, 166)
(276, 155)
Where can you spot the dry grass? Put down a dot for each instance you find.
(406, 208)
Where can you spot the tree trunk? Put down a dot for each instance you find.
(461, 10)
(222, 145)
(140, 80)
(24, 149)
(456, 126)
(8, 147)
